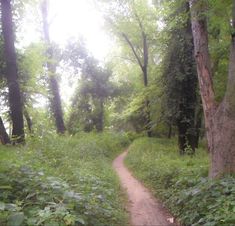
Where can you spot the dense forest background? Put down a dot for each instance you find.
(166, 83)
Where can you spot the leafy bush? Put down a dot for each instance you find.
(182, 183)
(133, 135)
(62, 181)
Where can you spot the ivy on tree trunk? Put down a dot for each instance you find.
(54, 94)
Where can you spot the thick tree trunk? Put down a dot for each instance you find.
(188, 100)
(219, 121)
(182, 139)
(55, 99)
(3, 134)
(223, 152)
(198, 125)
(200, 35)
(11, 73)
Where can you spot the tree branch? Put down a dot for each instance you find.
(133, 50)
(144, 39)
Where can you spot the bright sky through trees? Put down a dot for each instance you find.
(71, 18)
(68, 19)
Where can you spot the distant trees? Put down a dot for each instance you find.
(93, 90)
(23, 71)
(219, 118)
(11, 73)
(133, 23)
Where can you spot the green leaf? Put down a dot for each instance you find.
(16, 219)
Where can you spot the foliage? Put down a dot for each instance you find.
(31, 74)
(179, 70)
(182, 184)
(94, 88)
(219, 32)
(62, 181)
(134, 25)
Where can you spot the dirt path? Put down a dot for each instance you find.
(144, 209)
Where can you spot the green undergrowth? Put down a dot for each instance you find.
(60, 180)
(182, 183)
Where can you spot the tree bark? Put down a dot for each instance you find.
(219, 120)
(182, 139)
(55, 99)
(100, 119)
(28, 120)
(145, 75)
(169, 131)
(15, 100)
(3, 134)
(189, 86)
(198, 125)
(201, 51)
(186, 127)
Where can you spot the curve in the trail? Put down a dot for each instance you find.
(144, 209)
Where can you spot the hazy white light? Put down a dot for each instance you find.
(73, 18)
(70, 18)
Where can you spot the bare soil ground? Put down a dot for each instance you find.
(144, 209)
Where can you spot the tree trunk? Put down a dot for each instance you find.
(28, 120)
(56, 105)
(169, 131)
(188, 90)
(11, 73)
(148, 118)
(143, 64)
(198, 125)
(55, 99)
(145, 75)
(3, 134)
(219, 121)
(100, 120)
(201, 51)
(182, 139)
(186, 131)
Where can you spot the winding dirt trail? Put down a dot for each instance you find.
(144, 209)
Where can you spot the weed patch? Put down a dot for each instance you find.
(59, 180)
